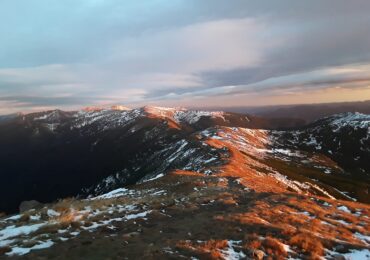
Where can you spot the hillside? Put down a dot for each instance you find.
(69, 153)
(187, 184)
(191, 216)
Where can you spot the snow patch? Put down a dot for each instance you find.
(26, 250)
(13, 231)
(363, 238)
(112, 194)
(344, 208)
(230, 254)
(154, 178)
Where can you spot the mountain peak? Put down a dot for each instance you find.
(120, 108)
(100, 108)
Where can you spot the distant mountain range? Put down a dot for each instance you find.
(308, 112)
(56, 154)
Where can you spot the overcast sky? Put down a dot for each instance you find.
(68, 54)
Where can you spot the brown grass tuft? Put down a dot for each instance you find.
(252, 242)
(274, 247)
(308, 243)
(205, 250)
(48, 229)
(64, 205)
(25, 217)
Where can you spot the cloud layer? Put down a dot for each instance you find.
(69, 54)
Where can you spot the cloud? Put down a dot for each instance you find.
(153, 63)
(215, 45)
(70, 53)
(352, 77)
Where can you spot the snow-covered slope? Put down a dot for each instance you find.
(353, 120)
(182, 115)
(343, 137)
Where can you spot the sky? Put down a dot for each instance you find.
(70, 54)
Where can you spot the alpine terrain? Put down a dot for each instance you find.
(173, 183)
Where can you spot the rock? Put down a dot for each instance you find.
(341, 249)
(338, 257)
(29, 204)
(4, 250)
(258, 254)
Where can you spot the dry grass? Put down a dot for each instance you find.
(67, 217)
(228, 201)
(87, 223)
(274, 247)
(252, 242)
(308, 243)
(294, 219)
(68, 203)
(50, 229)
(205, 250)
(25, 217)
(261, 220)
(29, 243)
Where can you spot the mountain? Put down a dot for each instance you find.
(54, 154)
(4, 118)
(172, 182)
(306, 112)
(312, 112)
(344, 137)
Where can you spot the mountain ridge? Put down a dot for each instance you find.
(75, 152)
(210, 185)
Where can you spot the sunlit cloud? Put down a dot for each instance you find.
(189, 52)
